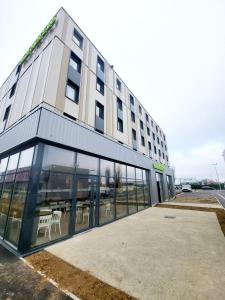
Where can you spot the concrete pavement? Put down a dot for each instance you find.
(159, 253)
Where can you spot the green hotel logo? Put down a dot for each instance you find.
(159, 166)
(38, 40)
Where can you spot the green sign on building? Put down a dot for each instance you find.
(159, 166)
(38, 40)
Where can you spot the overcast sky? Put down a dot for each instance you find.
(171, 54)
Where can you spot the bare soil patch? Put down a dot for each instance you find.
(220, 213)
(191, 199)
(80, 283)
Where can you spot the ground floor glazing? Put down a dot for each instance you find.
(48, 193)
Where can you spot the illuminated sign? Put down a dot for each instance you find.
(159, 166)
(38, 40)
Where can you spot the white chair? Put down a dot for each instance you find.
(45, 222)
(79, 215)
(108, 209)
(86, 215)
(56, 219)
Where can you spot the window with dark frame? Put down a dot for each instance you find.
(99, 110)
(161, 143)
(132, 116)
(163, 155)
(157, 140)
(149, 146)
(13, 89)
(100, 86)
(134, 135)
(165, 147)
(148, 131)
(6, 116)
(18, 69)
(159, 153)
(141, 125)
(131, 100)
(72, 91)
(119, 125)
(157, 129)
(118, 84)
(155, 150)
(153, 135)
(100, 64)
(78, 39)
(142, 141)
(152, 123)
(75, 62)
(146, 116)
(119, 104)
(140, 109)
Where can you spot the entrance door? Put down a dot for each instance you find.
(159, 183)
(86, 203)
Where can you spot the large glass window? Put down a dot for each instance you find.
(106, 200)
(140, 189)
(106, 168)
(87, 165)
(146, 187)
(54, 199)
(19, 195)
(121, 191)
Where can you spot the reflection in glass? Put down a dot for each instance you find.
(169, 185)
(87, 165)
(58, 160)
(53, 207)
(17, 207)
(140, 194)
(121, 197)
(86, 202)
(121, 170)
(138, 174)
(130, 172)
(12, 165)
(106, 200)
(26, 158)
(3, 165)
(146, 187)
(106, 168)
(5, 201)
(132, 201)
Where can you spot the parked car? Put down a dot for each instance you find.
(186, 188)
(206, 187)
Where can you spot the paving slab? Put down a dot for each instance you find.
(19, 282)
(159, 253)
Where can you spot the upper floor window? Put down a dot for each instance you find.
(148, 131)
(143, 141)
(165, 148)
(163, 155)
(72, 91)
(6, 116)
(18, 69)
(159, 153)
(141, 125)
(155, 150)
(164, 137)
(140, 109)
(152, 123)
(100, 86)
(13, 89)
(99, 110)
(149, 146)
(75, 62)
(157, 129)
(118, 84)
(78, 39)
(153, 136)
(146, 116)
(131, 100)
(119, 104)
(161, 143)
(132, 116)
(100, 64)
(157, 140)
(134, 136)
(119, 125)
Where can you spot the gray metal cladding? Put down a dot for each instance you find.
(21, 132)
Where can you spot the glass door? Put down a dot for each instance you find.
(86, 203)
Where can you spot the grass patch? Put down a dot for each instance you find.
(209, 200)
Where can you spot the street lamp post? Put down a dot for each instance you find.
(217, 175)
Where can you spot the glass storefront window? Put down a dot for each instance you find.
(5, 201)
(140, 194)
(106, 168)
(3, 165)
(53, 208)
(130, 172)
(121, 197)
(13, 161)
(58, 160)
(138, 174)
(121, 171)
(26, 158)
(87, 165)
(106, 200)
(146, 187)
(132, 199)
